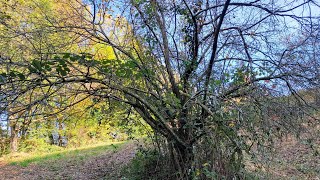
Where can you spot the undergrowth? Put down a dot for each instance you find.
(148, 164)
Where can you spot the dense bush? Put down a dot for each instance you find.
(149, 163)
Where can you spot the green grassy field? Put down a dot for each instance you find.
(82, 153)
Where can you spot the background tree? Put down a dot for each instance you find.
(27, 37)
(24, 36)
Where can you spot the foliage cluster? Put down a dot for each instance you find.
(28, 36)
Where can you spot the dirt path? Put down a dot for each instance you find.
(100, 167)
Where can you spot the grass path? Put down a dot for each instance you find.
(87, 163)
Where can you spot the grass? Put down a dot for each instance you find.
(77, 154)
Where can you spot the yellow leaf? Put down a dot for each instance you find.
(231, 124)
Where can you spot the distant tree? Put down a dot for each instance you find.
(204, 74)
(24, 36)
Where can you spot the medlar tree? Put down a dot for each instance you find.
(206, 75)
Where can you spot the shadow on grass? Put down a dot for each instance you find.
(79, 154)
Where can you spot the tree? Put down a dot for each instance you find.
(204, 74)
(25, 35)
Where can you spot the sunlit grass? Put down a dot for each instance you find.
(76, 154)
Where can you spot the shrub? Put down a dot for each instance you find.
(149, 163)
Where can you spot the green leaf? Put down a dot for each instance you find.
(218, 82)
(120, 72)
(138, 75)
(36, 64)
(3, 74)
(47, 67)
(62, 62)
(66, 55)
(88, 56)
(32, 69)
(12, 74)
(67, 69)
(63, 72)
(130, 64)
(50, 63)
(106, 69)
(74, 58)
(21, 76)
(58, 69)
(3, 77)
(106, 62)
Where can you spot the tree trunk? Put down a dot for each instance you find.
(60, 136)
(60, 142)
(51, 138)
(14, 139)
(183, 158)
